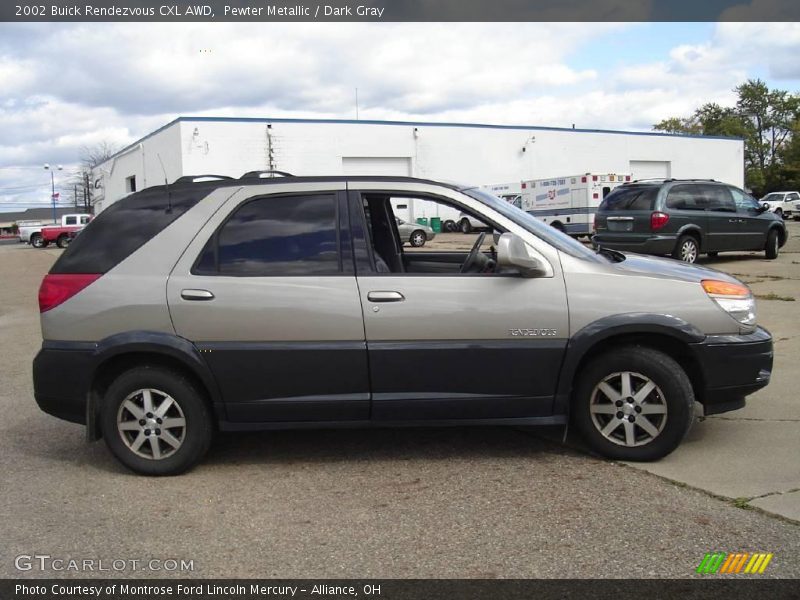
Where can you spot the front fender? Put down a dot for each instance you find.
(612, 326)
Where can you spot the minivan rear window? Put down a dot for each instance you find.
(630, 197)
(126, 226)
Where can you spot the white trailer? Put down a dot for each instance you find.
(411, 209)
(569, 203)
(510, 192)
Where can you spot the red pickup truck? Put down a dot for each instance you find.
(41, 237)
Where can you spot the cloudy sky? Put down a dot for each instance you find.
(65, 86)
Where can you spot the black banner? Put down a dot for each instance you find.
(394, 589)
(401, 10)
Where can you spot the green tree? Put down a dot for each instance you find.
(767, 121)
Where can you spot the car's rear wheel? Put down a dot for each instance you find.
(62, 241)
(465, 226)
(37, 241)
(155, 421)
(634, 403)
(773, 245)
(449, 225)
(687, 249)
(418, 238)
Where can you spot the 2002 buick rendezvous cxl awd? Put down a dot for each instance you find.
(254, 303)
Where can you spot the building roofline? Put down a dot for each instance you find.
(268, 120)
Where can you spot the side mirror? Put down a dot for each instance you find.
(513, 253)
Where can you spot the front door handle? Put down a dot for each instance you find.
(385, 297)
(196, 295)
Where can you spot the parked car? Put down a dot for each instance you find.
(244, 304)
(468, 223)
(684, 218)
(783, 204)
(414, 233)
(39, 236)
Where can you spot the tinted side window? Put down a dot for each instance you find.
(719, 198)
(284, 235)
(71, 221)
(743, 201)
(125, 226)
(687, 197)
(634, 197)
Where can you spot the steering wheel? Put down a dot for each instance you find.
(473, 254)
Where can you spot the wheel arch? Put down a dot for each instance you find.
(694, 230)
(121, 352)
(782, 233)
(666, 333)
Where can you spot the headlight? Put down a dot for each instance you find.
(734, 298)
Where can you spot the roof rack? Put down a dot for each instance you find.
(671, 179)
(193, 178)
(261, 174)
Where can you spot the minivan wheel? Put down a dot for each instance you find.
(773, 245)
(155, 421)
(686, 249)
(465, 226)
(633, 404)
(418, 238)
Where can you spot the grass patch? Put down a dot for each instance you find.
(743, 503)
(774, 296)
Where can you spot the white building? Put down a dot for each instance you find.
(469, 153)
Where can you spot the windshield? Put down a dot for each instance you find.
(773, 197)
(552, 236)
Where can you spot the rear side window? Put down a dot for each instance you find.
(719, 198)
(283, 235)
(126, 226)
(687, 197)
(630, 197)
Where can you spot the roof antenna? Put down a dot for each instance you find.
(166, 184)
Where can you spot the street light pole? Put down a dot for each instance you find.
(53, 189)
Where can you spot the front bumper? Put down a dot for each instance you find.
(649, 244)
(732, 367)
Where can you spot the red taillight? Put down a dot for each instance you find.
(658, 220)
(59, 288)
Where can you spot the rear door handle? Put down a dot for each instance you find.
(197, 295)
(385, 297)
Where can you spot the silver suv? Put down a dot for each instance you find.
(251, 304)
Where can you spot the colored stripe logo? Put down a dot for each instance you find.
(735, 562)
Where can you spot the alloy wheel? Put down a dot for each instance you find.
(628, 409)
(689, 251)
(151, 424)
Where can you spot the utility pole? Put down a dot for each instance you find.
(356, 104)
(75, 196)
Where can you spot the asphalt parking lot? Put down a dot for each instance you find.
(452, 503)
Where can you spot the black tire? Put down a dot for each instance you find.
(773, 245)
(37, 241)
(558, 225)
(195, 437)
(62, 241)
(673, 393)
(687, 249)
(449, 226)
(417, 238)
(465, 226)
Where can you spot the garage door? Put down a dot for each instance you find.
(651, 169)
(377, 165)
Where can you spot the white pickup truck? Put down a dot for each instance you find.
(33, 234)
(783, 204)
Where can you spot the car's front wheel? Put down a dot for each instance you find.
(418, 238)
(687, 249)
(37, 241)
(155, 421)
(465, 226)
(773, 245)
(634, 403)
